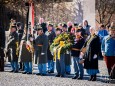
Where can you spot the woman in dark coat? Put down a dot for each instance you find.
(90, 57)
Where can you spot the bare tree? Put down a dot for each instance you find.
(105, 10)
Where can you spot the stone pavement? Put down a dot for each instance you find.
(18, 79)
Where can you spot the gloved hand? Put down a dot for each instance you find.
(95, 56)
(42, 53)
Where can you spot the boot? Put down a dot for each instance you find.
(1, 64)
(75, 77)
(90, 78)
(109, 71)
(94, 78)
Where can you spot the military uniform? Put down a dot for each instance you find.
(41, 43)
(51, 35)
(12, 52)
(20, 34)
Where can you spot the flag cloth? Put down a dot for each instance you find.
(31, 17)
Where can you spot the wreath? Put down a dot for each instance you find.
(62, 43)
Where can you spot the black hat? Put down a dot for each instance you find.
(39, 28)
(18, 24)
(13, 24)
(64, 25)
(58, 29)
(78, 30)
(14, 27)
(50, 24)
(75, 24)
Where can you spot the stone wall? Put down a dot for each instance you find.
(89, 11)
(83, 9)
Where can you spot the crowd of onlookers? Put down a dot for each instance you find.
(24, 47)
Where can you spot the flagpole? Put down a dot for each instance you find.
(31, 23)
(27, 15)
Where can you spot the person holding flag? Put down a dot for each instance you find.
(25, 54)
(26, 45)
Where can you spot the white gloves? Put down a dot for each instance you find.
(42, 53)
(67, 52)
(95, 56)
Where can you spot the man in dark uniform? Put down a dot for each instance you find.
(20, 30)
(41, 43)
(2, 46)
(51, 35)
(11, 47)
(20, 34)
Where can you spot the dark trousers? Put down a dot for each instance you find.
(110, 61)
(1, 64)
(60, 65)
(21, 65)
(1, 59)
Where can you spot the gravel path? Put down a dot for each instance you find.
(18, 79)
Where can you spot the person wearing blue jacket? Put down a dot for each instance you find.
(102, 32)
(108, 49)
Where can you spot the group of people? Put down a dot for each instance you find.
(25, 48)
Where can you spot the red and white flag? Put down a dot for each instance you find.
(31, 16)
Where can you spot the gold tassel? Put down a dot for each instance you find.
(55, 54)
(17, 48)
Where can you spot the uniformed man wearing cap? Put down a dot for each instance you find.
(51, 35)
(20, 34)
(11, 48)
(41, 43)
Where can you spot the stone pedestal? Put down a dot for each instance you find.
(83, 9)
